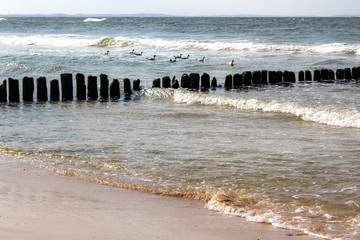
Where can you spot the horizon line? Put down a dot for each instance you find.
(163, 15)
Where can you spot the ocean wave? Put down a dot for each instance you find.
(95, 19)
(3, 19)
(323, 115)
(68, 40)
(49, 40)
(235, 46)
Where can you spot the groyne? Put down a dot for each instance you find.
(103, 90)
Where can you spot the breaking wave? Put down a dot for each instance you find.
(323, 115)
(95, 19)
(69, 40)
(233, 46)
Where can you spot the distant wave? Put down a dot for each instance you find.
(68, 40)
(323, 115)
(95, 19)
(52, 40)
(3, 19)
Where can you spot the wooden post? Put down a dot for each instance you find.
(289, 77)
(3, 92)
(264, 77)
(292, 77)
(115, 90)
(42, 95)
(324, 74)
(331, 75)
(80, 87)
(127, 86)
(66, 87)
(256, 77)
(28, 89)
(205, 81)
(247, 78)
(194, 80)
(228, 82)
(301, 76)
(237, 80)
(340, 74)
(214, 83)
(156, 83)
(185, 81)
(136, 85)
(54, 90)
(308, 75)
(166, 82)
(347, 74)
(92, 88)
(175, 84)
(356, 73)
(14, 96)
(104, 87)
(272, 77)
(317, 75)
(279, 77)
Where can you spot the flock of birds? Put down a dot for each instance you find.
(231, 63)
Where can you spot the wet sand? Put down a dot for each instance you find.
(39, 204)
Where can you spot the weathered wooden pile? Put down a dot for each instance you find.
(84, 92)
(90, 92)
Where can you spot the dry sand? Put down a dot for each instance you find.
(39, 204)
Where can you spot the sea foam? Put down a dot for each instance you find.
(69, 40)
(318, 114)
(236, 46)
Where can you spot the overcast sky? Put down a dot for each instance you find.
(184, 7)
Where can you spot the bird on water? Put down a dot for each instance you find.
(153, 58)
(231, 63)
(202, 60)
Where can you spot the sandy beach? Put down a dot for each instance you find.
(39, 204)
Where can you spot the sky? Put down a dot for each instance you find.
(184, 7)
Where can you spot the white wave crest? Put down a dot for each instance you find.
(95, 19)
(238, 46)
(323, 115)
(3, 19)
(49, 40)
(68, 40)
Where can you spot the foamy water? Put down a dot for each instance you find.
(283, 155)
(123, 41)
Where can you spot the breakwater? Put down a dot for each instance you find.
(103, 90)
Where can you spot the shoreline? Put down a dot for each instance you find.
(38, 204)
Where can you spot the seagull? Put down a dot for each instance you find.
(185, 57)
(153, 58)
(172, 60)
(231, 63)
(138, 54)
(178, 56)
(201, 60)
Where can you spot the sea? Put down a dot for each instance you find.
(285, 155)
